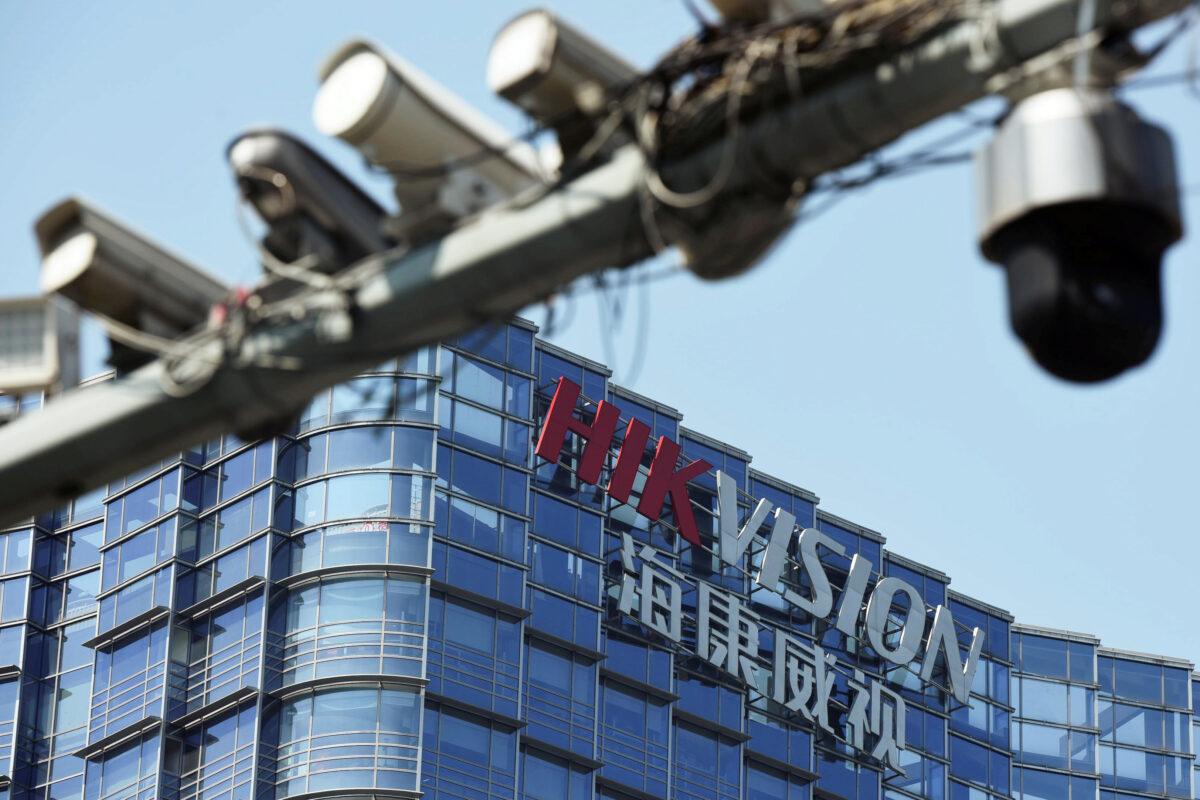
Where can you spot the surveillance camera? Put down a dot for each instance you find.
(109, 269)
(310, 208)
(557, 74)
(1079, 203)
(404, 121)
(39, 345)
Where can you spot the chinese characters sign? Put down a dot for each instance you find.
(890, 615)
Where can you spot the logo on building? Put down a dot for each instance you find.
(886, 613)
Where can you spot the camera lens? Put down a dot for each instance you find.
(1084, 285)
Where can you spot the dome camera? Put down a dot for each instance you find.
(1079, 203)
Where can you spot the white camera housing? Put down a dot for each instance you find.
(109, 269)
(556, 73)
(405, 122)
(39, 345)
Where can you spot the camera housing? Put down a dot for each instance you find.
(308, 205)
(106, 267)
(1078, 203)
(447, 159)
(39, 345)
(557, 74)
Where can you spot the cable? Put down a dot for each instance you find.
(728, 160)
(302, 270)
(1084, 21)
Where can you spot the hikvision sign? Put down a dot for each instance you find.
(727, 628)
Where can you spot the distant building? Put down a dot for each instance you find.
(400, 600)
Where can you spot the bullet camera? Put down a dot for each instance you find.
(557, 74)
(447, 159)
(39, 345)
(111, 270)
(1078, 203)
(309, 207)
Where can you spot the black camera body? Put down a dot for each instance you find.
(1078, 203)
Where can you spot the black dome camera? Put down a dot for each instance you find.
(1079, 204)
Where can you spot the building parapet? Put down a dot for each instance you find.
(784, 486)
(1056, 633)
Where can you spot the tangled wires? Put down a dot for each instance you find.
(712, 81)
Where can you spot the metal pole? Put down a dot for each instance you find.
(517, 255)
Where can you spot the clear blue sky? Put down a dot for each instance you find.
(869, 359)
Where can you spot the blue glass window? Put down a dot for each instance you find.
(142, 505)
(1041, 745)
(706, 765)
(927, 731)
(479, 527)
(413, 448)
(141, 552)
(223, 572)
(520, 348)
(560, 698)
(129, 772)
(564, 571)
(367, 542)
(1175, 687)
(922, 776)
(1041, 655)
(488, 341)
(780, 740)
(710, 700)
(84, 550)
(382, 615)
(223, 654)
(364, 495)
(475, 477)
(545, 777)
(471, 427)
(15, 551)
(563, 618)
(1083, 662)
(474, 654)
(645, 664)
(419, 360)
(137, 597)
(467, 756)
(129, 682)
(565, 523)
(216, 758)
(976, 763)
(845, 778)
(9, 690)
(363, 399)
(348, 737)
(478, 574)
(634, 731)
(720, 460)
(473, 380)
(1136, 680)
(765, 783)
(1034, 784)
(1135, 770)
(13, 595)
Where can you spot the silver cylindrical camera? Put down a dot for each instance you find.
(1078, 202)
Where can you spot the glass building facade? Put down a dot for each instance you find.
(398, 599)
